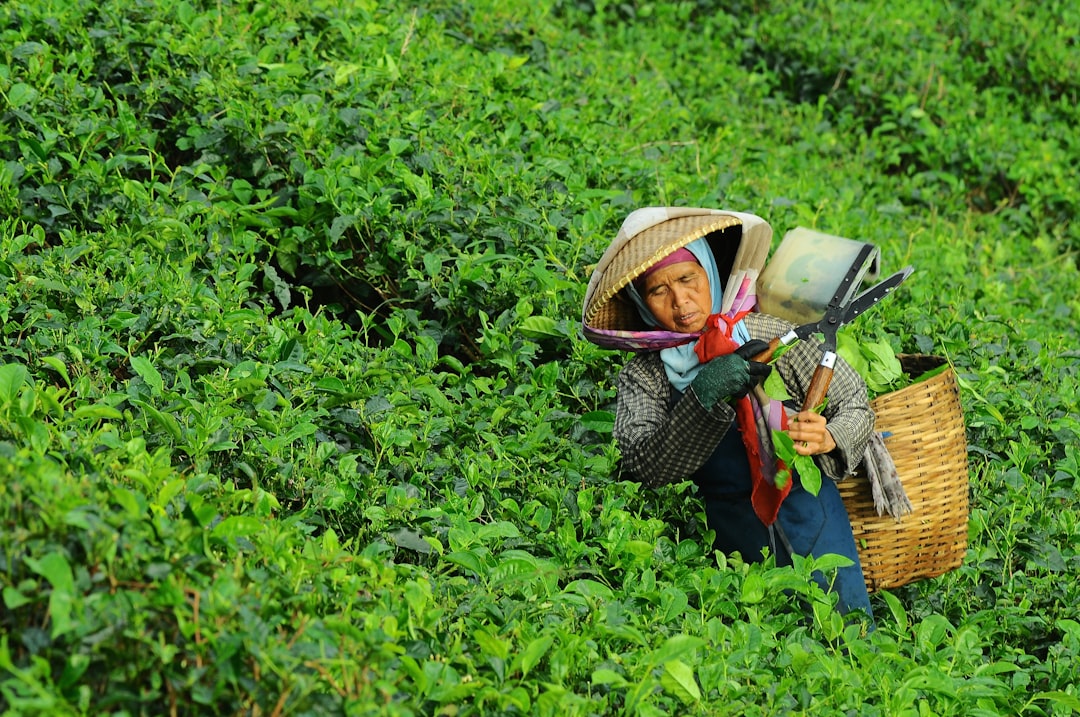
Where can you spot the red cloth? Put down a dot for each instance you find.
(716, 339)
(765, 497)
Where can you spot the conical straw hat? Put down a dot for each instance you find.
(740, 243)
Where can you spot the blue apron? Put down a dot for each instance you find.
(808, 525)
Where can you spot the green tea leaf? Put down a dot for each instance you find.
(236, 526)
(169, 490)
(13, 599)
(674, 603)
(809, 473)
(590, 589)
(783, 444)
(534, 652)
(281, 289)
(467, 559)
(784, 448)
(883, 367)
(599, 421)
(166, 420)
(782, 349)
(848, 348)
(539, 327)
(881, 353)
(433, 263)
(932, 631)
(55, 568)
(498, 529)
(831, 561)
(149, 374)
(98, 411)
(753, 589)
(12, 378)
(675, 647)
(492, 645)
(608, 677)
(678, 679)
(331, 384)
(36, 431)
(775, 387)
(57, 364)
(411, 540)
(21, 94)
(1058, 697)
(122, 320)
(185, 13)
(299, 431)
(804, 466)
(897, 609)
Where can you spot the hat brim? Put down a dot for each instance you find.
(739, 242)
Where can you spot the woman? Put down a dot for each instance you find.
(679, 416)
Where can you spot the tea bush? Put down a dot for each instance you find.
(940, 92)
(295, 416)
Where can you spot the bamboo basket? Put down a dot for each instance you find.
(929, 448)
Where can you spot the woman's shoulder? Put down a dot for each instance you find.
(766, 326)
(643, 361)
(643, 367)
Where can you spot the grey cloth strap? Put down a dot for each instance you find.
(885, 487)
(776, 532)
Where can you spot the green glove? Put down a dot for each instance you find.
(730, 375)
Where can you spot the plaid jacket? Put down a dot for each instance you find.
(660, 443)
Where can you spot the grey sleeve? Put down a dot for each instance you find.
(658, 444)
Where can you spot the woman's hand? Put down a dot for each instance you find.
(807, 429)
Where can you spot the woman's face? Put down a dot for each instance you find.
(678, 296)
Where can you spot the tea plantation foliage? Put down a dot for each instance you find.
(294, 413)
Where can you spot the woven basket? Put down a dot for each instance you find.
(929, 447)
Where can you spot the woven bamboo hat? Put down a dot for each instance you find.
(740, 244)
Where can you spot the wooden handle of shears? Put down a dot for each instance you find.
(766, 355)
(819, 384)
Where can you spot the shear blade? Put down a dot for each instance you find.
(875, 293)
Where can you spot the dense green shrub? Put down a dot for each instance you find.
(972, 99)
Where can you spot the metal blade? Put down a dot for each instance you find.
(847, 313)
(874, 294)
(846, 290)
(805, 331)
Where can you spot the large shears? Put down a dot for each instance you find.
(841, 309)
